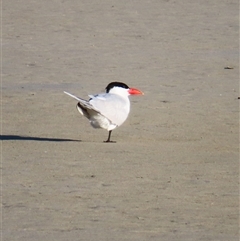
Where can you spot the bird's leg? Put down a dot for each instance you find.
(109, 136)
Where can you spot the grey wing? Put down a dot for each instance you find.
(112, 107)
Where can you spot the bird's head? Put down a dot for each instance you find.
(122, 89)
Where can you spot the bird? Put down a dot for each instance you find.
(107, 110)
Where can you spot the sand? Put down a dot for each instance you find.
(173, 173)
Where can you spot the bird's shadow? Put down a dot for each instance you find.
(32, 138)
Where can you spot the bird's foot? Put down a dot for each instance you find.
(107, 141)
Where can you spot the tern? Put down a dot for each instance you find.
(107, 110)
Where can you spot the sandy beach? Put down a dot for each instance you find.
(173, 173)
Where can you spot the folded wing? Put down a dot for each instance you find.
(112, 106)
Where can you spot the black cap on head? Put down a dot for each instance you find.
(116, 84)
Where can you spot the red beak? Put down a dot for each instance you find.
(133, 91)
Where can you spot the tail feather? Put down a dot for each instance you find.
(82, 102)
(73, 96)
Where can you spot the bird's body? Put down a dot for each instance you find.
(107, 110)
